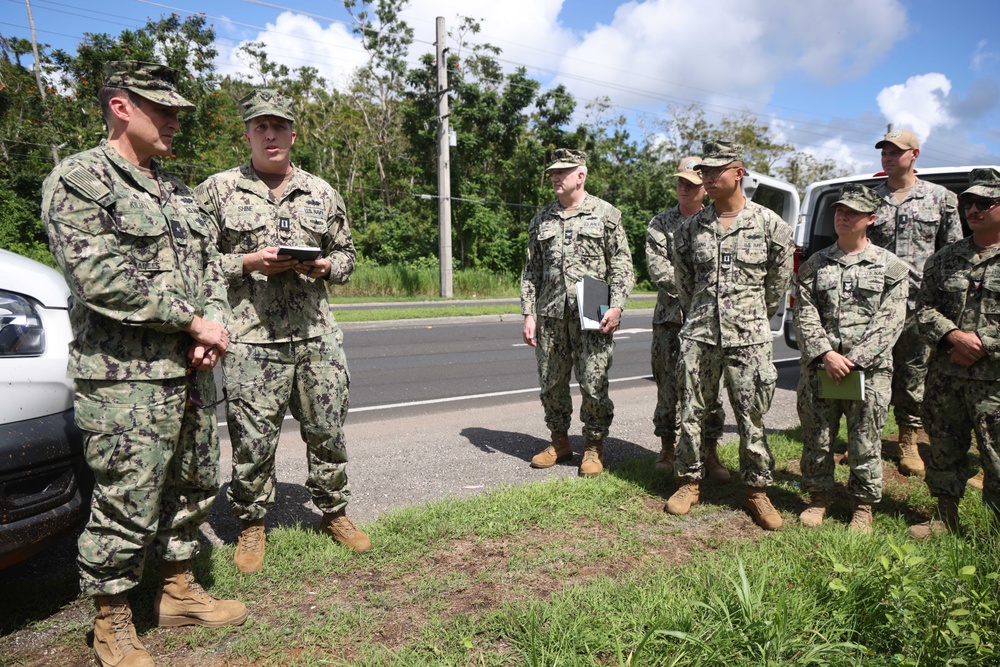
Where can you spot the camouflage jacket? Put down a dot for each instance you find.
(286, 306)
(917, 227)
(851, 304)
(659, 237)
(564, 247)
(730, 282)
(138, 261)
(961, 290)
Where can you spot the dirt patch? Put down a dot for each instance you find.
(464, 577)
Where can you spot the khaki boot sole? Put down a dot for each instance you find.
(548, 463)
(182, 621)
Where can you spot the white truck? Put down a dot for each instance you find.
(814, 230)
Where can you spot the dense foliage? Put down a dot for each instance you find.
(374, 139)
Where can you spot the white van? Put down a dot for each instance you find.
(783, 199)
(44, 482)
(814, 230)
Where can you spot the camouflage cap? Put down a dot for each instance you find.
(901, 139)
(567, 157)
(858, 197)
(266, 102)
(688, 169)
(152, 81)
(984, 182)
(720, 153)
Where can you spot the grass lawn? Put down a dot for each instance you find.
(582, 572)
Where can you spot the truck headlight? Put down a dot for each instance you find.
(21, 331)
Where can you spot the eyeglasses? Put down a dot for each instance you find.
(712, 173)
(980, 203)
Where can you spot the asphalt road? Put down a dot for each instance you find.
(448, 408)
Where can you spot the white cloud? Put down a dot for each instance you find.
(298, 41)
(731, 55)
(982, 57)
(920, 104)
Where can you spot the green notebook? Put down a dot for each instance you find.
(851, 388)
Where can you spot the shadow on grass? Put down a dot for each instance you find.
(292, 505)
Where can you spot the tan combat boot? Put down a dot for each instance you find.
(976, 481)
(713, 466)
(592, 464)
(342, 529)
(761, 509)
(861, 520)
(558, 450)
(683, 499)
(813, 515)
(115, 641)
(948, 523)
(182, 601)
(910, 462)
(249, 556)
(665, 461)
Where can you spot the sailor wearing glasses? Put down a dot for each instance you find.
(958, 311)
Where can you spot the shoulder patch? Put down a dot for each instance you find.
(614, 217)
(895, 270)
(84, 182)
(806, 271)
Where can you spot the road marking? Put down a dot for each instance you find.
(492, 394)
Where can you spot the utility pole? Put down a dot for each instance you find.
(444, 163)
(38, 74)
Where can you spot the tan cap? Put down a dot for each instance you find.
(901, 139)
(688, 169)
(152, 81)
(567, 157)
(266, 102)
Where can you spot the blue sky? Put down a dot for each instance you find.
(827, 76)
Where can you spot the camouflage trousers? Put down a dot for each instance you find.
(750, 378)
(820, 420)
(562, 348)
(909, 362)
(309, 377)
(954, 408)
(664, 353)
(156, 473)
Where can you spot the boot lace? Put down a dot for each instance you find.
(121, 625)
(342, 524)
(195, 590)
(251, 538)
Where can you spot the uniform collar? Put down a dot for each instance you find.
(139, 179)
(835, 253)
(250, 181)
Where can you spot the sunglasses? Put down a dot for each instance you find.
(980, 203)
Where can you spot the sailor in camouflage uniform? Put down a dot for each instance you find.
(849, 311)
(915, 220)
(577, 235)
(959, 314)
(148, 315)
(732, 264)
(667, 319)
(287, 348)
